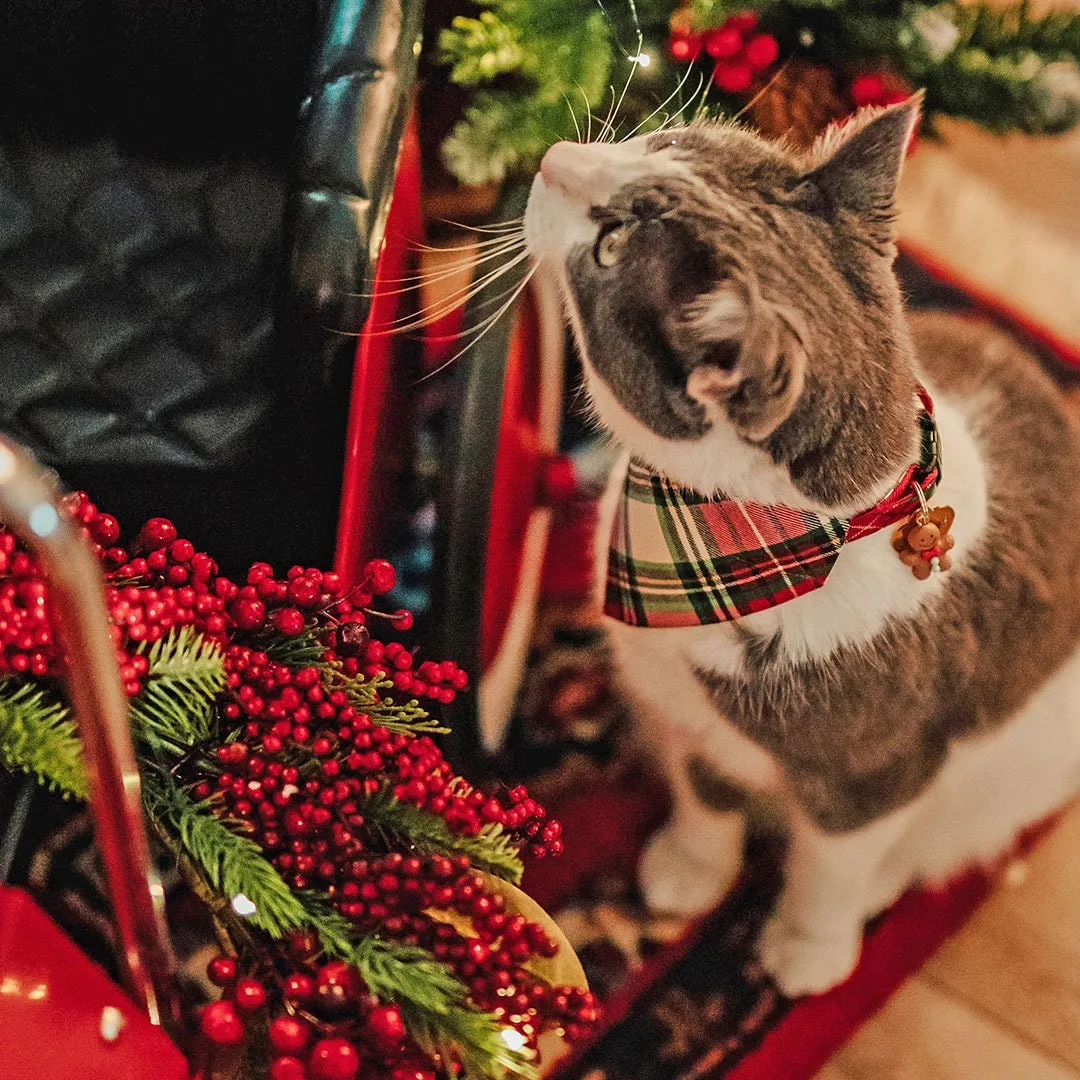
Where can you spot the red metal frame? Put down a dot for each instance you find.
(516, 482)
(371, 401)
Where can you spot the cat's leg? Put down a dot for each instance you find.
(691, 863)
(813, 939)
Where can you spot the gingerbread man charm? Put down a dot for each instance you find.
(923, 541)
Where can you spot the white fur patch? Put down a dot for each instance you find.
(721, 315)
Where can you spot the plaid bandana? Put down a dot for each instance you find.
(678, 558)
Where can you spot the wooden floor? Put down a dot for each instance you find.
(1000, 1001)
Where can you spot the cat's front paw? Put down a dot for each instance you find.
(677, 881)
(800, 963)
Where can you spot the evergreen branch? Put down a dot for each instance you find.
(231, 863)
(433, 1003)
(298, 651)
(479, 49)
(173, 711)
(364, 695)
(491, 849)
(37, 736)
(435, 1008)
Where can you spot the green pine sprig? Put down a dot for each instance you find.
(298, 651)
(230, 863)
(366, 696)
(491, 849)
(555, 56)
(433, 1003)
(174, 710)
(37, 736)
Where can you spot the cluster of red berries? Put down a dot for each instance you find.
(285, 711)
(321, 1023)
(163, 583)
(741, 53)
(305, 758)
(877, 88)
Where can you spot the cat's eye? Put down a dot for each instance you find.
(610, 244)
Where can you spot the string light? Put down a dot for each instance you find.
(243, 906)
(513, 1038)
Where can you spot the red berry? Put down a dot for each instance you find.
(867, 89)
(380, 575)
(743, 21)
(248, 614)
(761, 52)
(106, 530)
(249, 994)
(287, 1068)
(304, 591)
(723, 43)
(337, 984)
(156, 533)
(684, 47)
(298, 987)
(333, 1059)
(181, 550)
(221, 971)
(402, 619)
(221, 1025)
(386, 1026)
(289, 621)
(733, 78)
(288, 1034)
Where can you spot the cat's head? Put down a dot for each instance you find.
(735, 303)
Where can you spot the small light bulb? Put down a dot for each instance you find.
(243, 906)
(513, 1038)
(112, 1023)
(642, 58)
(43, 519)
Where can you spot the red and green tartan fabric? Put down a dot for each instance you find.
(679, 558)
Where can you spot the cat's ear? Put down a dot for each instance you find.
(750, 357)
(859, 176)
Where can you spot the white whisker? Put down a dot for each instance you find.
(499, 226)
(483, 327)
(418, 281)
(443, 307)
(622, 96)
(470, 245)
(663, 104)
(588, 114)
(577, 126)
(609, 128)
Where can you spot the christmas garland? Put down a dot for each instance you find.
(357, 884)
(789, 66)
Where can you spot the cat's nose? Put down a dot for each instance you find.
(566, 166)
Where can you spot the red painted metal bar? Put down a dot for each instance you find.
(373, 370)
(27, 505)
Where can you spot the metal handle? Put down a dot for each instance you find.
(28, 507)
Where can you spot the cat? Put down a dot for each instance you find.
(743, 338)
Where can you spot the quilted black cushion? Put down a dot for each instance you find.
(190, 197)
(136, 305)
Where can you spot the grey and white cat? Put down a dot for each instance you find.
(742, 332)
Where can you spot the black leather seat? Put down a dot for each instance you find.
(190, 198)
